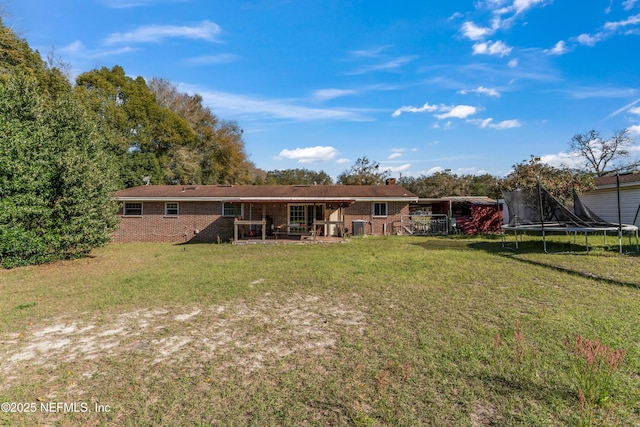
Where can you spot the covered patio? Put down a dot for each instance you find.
(286, 221)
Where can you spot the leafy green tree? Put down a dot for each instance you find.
(297, 176)
(129, 115)
(560, 182)
(364, 172)
(56, 179)
(16, 55)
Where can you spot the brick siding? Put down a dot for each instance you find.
(203, 221)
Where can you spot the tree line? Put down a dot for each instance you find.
(66, 147)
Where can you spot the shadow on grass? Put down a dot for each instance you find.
(493, 246)
(496, 248)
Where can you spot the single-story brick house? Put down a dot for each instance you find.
(207, 213)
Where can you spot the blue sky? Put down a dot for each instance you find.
(419, 86)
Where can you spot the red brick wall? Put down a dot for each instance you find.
(203, 221)
(196, 222)
(375, 225)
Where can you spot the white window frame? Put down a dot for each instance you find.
(167, 209)
(125, 209)
(234, 214)
(380, 215)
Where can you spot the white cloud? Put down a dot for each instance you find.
(559, 48)
(628, 4)
(235, 104)
(635, 110)
(327, 94)
(634, 130)
(367, 53)
(513, 63)
(522, 5)
(481, 90)
(400, 168)
(632, 20)
(459, 111)
(207, 31)
(571, 160)
(386, 66)
(587, 40)
(435, 170)
(72, 48)
(394, 156)
(505, 124)
(343, 160)
(309, 154)
(408, 109)
(473, 32)
(491, 48)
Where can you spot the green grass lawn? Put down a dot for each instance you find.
(376, 331)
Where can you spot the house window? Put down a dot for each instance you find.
(171, 208)
(380, 209)
(232, 209)
(132, 209)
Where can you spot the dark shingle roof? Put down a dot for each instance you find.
(256, 193)
(610, 180)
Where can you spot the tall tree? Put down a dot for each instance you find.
(128, 113)
(218, 154)
(56, 179)
(599, 154)
(364, 172)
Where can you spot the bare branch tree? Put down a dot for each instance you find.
(600, 154)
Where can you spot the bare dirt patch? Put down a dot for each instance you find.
(244, 334)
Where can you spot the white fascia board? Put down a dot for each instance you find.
(169, 199)
(385, 199)
(622, 185)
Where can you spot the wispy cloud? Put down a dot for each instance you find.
(625, 108)
(613, 26)
(367, 53)
(327, 94)
(309, 154)
(481, 90)
(602, 92)
(252, 107)
(128, 4)
(207, 31)
(401, 168)
(79, 50)
(408, 109)
(395, 153)
(390, 65)
(505, 124)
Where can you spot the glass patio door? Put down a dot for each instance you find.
(301, 217)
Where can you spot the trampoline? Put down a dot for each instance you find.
(535, 210)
